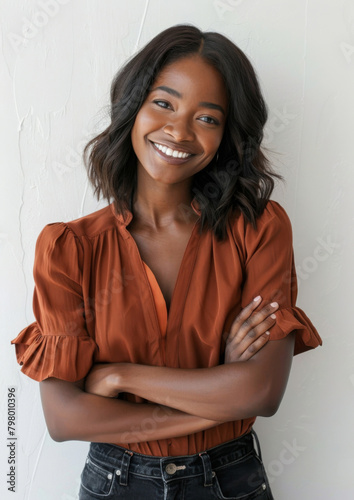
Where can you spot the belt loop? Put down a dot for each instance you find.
(258, 446)
(123, 480)
(208, 476)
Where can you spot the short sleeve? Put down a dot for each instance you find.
(270, 272)
(57, 344)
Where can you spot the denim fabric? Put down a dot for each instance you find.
(231, 471)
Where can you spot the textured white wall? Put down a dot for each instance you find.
(57, 61)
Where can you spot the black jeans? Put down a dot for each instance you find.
(233, 470)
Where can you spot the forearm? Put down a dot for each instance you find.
(226, 392)
(72, 414)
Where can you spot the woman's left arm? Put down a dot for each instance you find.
(227, 392)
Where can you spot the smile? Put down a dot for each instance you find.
(171, 152)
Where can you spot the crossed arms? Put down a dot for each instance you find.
(251, 383)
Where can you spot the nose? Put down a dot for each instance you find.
(180, 129)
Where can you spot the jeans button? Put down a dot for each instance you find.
(171, 468)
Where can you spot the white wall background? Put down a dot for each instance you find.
(57, 61)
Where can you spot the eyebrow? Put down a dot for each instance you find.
(175, 93)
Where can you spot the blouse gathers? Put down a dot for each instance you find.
(96, 301)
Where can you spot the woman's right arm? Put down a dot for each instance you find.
(72, 414)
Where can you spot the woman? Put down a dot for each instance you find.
(154, 314)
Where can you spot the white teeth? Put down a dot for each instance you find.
(171, 152)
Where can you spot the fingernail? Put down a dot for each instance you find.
(273, 316)
(256, 299)
(267, 333)
(274, 304)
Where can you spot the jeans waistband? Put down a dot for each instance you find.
(121, 461)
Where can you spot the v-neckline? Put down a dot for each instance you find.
(172, 307)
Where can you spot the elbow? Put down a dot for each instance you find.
(58, 423)
(59, 435)
(257, 409)
(269, 410)
(62, 427)
(270, 404)
(57, 430)
(59, 403)
(260, 405)
(264, 403)
(56, 436)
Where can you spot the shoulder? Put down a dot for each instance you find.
(90, 225)
(62, 243)
(60, 246)
(273, 227)
(273, 218)
(94, 224)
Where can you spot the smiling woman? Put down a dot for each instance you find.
(239, 178)
(156, 337)
(181, 122)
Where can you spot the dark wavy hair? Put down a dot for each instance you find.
(238, 179)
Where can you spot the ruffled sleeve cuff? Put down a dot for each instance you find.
(292, 319)
(65, 357)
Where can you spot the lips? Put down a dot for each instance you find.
(169, 154)
(174, 153)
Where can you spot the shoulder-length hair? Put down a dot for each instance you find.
(239, 178)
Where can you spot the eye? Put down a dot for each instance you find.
(162, 104)
(209, 120)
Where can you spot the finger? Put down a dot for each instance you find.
(243, 315)
(255, 347)
(242, 352)
(250, 323)
(251, 337)
(255, 333)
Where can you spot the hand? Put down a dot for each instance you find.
(102, 380)
(249, 331)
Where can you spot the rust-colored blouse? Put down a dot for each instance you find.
(95, 300)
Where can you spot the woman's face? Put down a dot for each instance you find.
(179, 127)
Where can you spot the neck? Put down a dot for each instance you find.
(159, 205)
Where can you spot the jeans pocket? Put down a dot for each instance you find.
(242, 480)
(97, 479)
